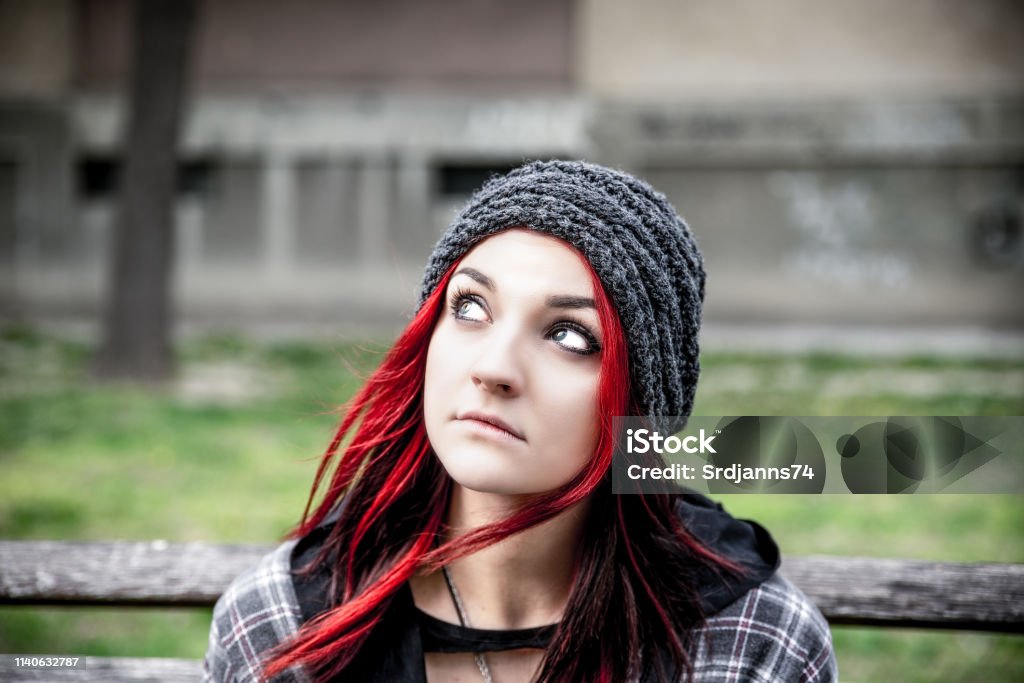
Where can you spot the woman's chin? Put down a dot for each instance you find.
(496, 485)
(500, 474)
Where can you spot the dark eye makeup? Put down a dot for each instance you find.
(579, 328)
(460, 297)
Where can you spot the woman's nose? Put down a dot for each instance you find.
(497, 368)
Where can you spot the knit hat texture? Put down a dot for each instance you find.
(642, 251)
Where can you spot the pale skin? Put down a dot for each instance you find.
(519, 343)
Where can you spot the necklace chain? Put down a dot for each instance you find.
(460, 608)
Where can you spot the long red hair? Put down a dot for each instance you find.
(636, 554)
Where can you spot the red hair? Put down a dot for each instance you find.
(393, 495)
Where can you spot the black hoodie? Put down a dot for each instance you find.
(394, 651)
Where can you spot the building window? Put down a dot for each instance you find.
(98, 177)
(464, 178)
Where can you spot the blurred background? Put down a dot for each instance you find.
(853, 170)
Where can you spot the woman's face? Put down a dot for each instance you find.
(510, 397)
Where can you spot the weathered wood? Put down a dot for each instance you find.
(848, 590)
(153, 573)
(111, 670)
(913, 593)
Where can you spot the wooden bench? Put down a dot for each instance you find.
(848, 590)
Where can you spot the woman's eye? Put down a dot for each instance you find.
(573, 340)
(468, 309)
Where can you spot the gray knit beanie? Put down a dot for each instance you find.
(641, 250)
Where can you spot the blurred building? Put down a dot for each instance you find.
(842, 163)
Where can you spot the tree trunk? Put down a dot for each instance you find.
(137, 325)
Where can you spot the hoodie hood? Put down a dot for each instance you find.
(741, 541)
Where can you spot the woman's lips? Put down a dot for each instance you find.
(491, 425)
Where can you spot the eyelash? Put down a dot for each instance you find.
(580, 329)
(460, 295)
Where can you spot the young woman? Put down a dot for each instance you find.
(461, 525)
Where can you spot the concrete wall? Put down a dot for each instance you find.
(695, 49)
(36, 48)
(307, 204)
(849, 213)
(246, 45)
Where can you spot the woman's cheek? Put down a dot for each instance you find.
(574, 415)
(447, 350)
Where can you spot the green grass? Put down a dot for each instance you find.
(227, 455)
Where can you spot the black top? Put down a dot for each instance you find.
(442, 636)
(394, 651)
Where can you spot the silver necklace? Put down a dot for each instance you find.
(481, 662)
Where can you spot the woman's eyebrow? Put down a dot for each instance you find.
(478, 276)
(563, 301)
(553, 301)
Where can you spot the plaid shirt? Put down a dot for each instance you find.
(770, 634)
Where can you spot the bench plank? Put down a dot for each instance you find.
(912, 593)
(848, 590)
(153, 573)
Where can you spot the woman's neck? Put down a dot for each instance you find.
(521, 582)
